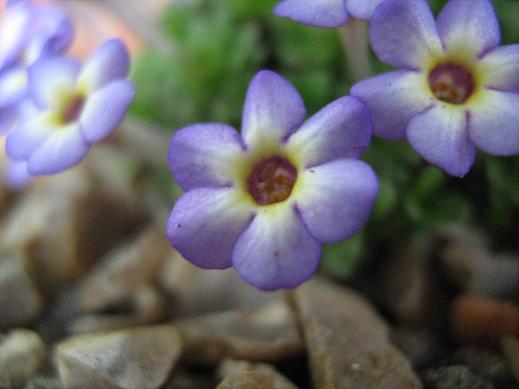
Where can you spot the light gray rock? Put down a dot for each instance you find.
(236, 372)
(199, 291)
(22, 353)
(347, 342)
(267, 333)
(130, 359)
(20, 302)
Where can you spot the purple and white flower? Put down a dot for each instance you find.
(326, 13)
(263, 201)
(28, 32)
(457, 89)
(77, 108)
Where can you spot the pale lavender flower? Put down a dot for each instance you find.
(263, 201)
(326, 13)
(27, 33)
(457, 89)
(77, 108)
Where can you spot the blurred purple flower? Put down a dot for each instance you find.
(27, 33)
(326, 13)
(77, 108)
(457, 89)
(264, 201)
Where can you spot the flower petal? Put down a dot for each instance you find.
(500, 68)
(440, 135)
(17, 177)
(342, 129)
(202, 155)
(494, 123)
(337, 198)
(468, 26)
(319, 13)
(49, 78)
(27, 135)
(393, 98)
(109, 63)
(273, 109)
(64, 148)
(205, 223)
(362, 9)
(403, 33)
(13, 86)
(276, 250)
(105, 109)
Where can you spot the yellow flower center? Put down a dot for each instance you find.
(452, 82)
(271, 180)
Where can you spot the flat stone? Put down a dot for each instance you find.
(267, 333)
(199, 291)
(347, 341)
(44, 383)
(454, 377)
(22, 353)
(125, 270)
(20, 302)
(131, 359)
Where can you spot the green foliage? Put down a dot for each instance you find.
(219, 46)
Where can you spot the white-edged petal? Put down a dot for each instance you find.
(276, 250)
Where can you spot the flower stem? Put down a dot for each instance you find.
(355, 42)
(143, 141)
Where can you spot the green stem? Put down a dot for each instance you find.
(355, 42)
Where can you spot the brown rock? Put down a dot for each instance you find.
(125, 270)
(347, 341)
(67, 223)
(20, 303)
(132, 359)
(483, 319)
(201, 291)
(22, 353)
(268, 333)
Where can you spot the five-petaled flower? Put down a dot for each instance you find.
(326, 13)
(457, 88)
(78, 108)
(28, 32)
(264, 201)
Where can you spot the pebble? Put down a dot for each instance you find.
(267, 333)
(255, 380)
(131, 359)
(347, 341)
(22, 354)
(421, 346)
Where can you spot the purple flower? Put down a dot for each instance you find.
(264, 201)
(326, 13)
(457, 89)
(28, 32)
(77, 108)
